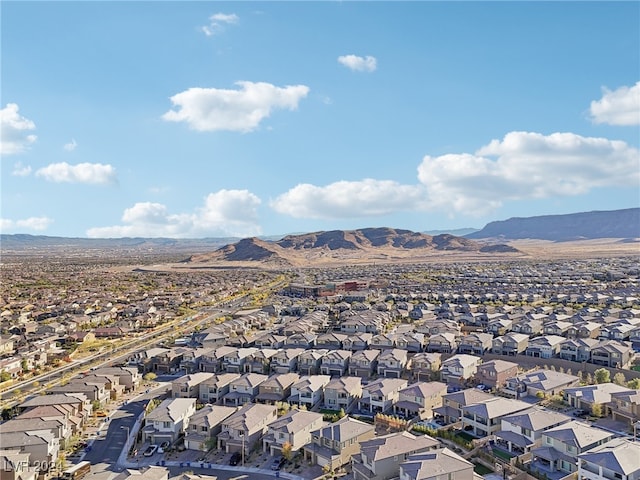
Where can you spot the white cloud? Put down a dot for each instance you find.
(359, 64)
(345, 199)
(92, 173)
(527, 165)
(14, 128)
(31, 223)
(217, 23)
(20, 170)
(213, 109)
(224, 213)
(71, 146)
(618, 107)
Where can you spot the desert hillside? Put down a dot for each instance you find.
(369, 245)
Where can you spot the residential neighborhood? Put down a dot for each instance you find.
(481, 369)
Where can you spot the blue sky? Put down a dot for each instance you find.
(211, 119)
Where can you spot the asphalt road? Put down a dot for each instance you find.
(107, 446)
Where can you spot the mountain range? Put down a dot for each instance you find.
(347, 246)
(374, 244)
(575, 226)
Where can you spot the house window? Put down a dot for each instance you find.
(548, 440)
(166, 424)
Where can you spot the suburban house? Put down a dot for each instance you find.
(168, 420)
(301, 340)
(615, 460)
(95, 392)
(286, 360)
(188, 386)
(309, 361)
(309, 390)
(128, 377)
(331, 340)
(475, 344)
(521, 431)
(494, 373)
(561, 446)
(392, 363)
(459, 369)
(419, 399)
(243, 430)
(215, 387)
(539, 383)
(446, 342)
(547, 346)
(380, 395)
(276, 388)
(585, 397)
(383, 341)
(510, 344)
(294, 428)
(243, 389)
(413, 342)
(612, 354)
(335, 362)
(424, 365)
(342, 393)
(333, 445)
(437, 464)
(485, 418)
(452, 404)
(41, 445)
(577, 349)
(204, 425)
(357, 341)
(17, 466)
(380, 457)
(260, 361)
(363, 363)
(234, 361)
(625, 406)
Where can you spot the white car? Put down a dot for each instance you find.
(151, 449)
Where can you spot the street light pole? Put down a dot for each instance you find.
(242, 436)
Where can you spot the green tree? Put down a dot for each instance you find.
(634, 384)
(5, 376)
(341, 413)
(619, 379)
(602, 375)
(287, 451)
(596, 410)
(149, 377)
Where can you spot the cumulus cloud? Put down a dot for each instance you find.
(618, 107)
(14, 131)
(91, 173)
(71, 146)
(345, 199)
(242, 110)
(31, 223)
(359, 64)
(20, 170)
(525, 165)
(218, 22)
(224, 213)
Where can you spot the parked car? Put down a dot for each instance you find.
(163, 447)
(151, 449)
(278, 463)
(235, 458)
